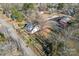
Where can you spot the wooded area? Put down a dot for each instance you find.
(39, 29)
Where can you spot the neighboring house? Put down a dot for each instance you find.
(63, 21)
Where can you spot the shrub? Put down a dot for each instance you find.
(17, 14)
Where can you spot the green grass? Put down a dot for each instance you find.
(2, 38)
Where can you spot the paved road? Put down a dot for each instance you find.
(12, 34)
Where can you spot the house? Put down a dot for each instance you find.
(31, 27)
